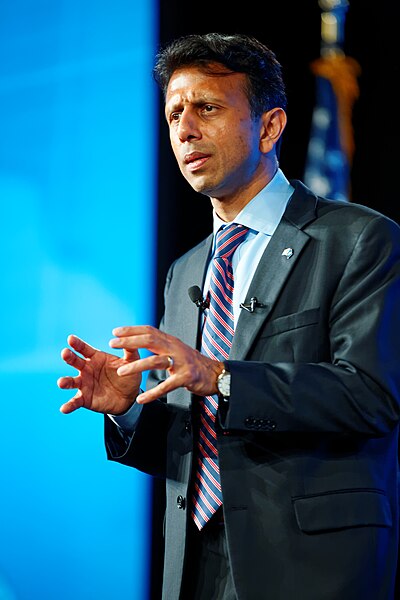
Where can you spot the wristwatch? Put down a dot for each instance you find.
(224, 384)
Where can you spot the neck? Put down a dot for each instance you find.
(229, 206)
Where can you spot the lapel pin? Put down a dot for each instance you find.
(288, 252)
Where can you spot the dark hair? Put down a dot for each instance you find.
(238, 53)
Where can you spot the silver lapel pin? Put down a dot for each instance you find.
(288, 252)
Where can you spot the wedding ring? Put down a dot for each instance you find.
(170, 362)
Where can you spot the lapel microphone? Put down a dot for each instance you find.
(197, 297)
(252, 305)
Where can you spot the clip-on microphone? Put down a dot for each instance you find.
(197, 297)
(252, 305)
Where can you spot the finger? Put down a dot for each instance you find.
(156, 361)
(170, 384)
(130, 355)
(73, 359)
(68, 383)
(134, 330)
(132, 344)
(133, 341)
(72, 405)
(141, 336)
(80, 346)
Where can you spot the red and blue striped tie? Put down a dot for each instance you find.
(217, 339)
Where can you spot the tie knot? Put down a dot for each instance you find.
(228, 239)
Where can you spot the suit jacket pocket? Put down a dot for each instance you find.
(342, 509)
(293, 321)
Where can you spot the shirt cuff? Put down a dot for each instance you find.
(128, 420)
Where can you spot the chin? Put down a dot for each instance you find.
(198, 185)
(202, 184)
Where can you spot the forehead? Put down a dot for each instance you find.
(193, 84)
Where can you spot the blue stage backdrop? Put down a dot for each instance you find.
(77, 194)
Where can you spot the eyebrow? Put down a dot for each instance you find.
(196, 102)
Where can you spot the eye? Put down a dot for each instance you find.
(175, 116)
(208, 108)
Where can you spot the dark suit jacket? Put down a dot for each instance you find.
(308, 442)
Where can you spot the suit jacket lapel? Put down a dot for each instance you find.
(195, 272)
(278, 260)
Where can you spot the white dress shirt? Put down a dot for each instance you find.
(262, 216)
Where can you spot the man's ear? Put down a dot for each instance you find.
(273, 122)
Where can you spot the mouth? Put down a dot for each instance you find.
(195, 160)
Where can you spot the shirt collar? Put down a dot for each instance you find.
(265, 210)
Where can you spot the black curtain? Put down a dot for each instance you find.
(292, 30)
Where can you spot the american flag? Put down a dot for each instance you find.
(331, 145)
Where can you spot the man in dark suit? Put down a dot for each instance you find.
(308, 396)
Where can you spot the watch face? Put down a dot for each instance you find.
(224, 384)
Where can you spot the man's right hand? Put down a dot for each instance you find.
(99, 386)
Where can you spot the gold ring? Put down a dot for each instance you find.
(170, 362)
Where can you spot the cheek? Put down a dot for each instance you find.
(174, 143)
(238, 148)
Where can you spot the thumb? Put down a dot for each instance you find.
(131, 355)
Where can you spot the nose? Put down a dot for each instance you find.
(188, 128)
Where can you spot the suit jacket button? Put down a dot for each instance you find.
(181, 502)
(188, 426)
